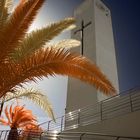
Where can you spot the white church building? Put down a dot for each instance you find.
(94, 29)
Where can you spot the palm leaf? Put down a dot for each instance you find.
(4, 7)
(67, 43)
(73, 26)
(9, 4)
(7, 114)
(20, 116)
(11, 112)
(36, 97)
(37, 39)
(16, 115)
(15, 29)
(3, 122)
(22, 112)
(25, 118)
(50, 61)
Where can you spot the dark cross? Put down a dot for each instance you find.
(82, 34)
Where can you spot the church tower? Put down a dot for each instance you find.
(94, 30)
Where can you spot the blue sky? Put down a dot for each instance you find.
(126, 21)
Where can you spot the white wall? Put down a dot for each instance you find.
(126, 125)
(99, 47)
(79, 93)
(105, 50)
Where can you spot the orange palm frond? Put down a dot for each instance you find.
(20, 113)
(18, 116)
(24, 123)
(7, 114)
(3, 122)
(23, 116)
(17, 112)
(50, 61)
(17, 25)
(11, 112)
(26, 117)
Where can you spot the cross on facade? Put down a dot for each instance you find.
(82, 34)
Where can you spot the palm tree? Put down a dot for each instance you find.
(36, 97)
(18, 117)
(33, 95)
(23, 55)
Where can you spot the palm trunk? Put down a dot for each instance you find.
(13, 134)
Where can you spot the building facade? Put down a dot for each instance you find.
(94, 30)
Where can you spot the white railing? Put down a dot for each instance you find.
(118, 105)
